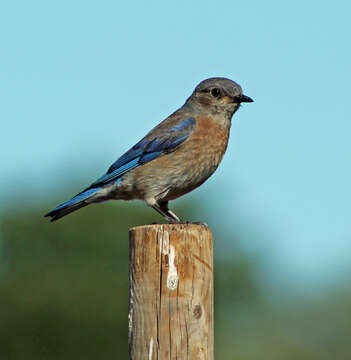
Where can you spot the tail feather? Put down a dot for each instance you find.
(74, 204)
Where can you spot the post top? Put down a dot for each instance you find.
(172, 227)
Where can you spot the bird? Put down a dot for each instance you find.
(174, 158)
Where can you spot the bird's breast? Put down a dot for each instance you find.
(207, 146)
(183, 169)
(209, 140)
(196, 160)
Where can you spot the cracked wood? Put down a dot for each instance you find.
(171, 292)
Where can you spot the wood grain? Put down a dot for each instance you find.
(171, 292)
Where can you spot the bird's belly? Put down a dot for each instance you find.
(179, 172)
(200, 158)
(191, 177)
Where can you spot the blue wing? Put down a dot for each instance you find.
(147, 150)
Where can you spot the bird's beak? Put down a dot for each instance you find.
(244, 98)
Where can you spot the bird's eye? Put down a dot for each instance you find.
(215, 92)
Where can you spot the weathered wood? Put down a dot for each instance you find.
(171, 292)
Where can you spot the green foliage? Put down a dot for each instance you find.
(64, 294)
(64, 285)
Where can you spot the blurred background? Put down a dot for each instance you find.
(81, 82)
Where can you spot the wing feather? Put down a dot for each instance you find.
(147, 150)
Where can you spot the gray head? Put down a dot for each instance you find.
(218, 95)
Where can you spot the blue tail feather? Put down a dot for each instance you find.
(75, 203)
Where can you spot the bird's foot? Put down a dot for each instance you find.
(198, 223)
(172, 221)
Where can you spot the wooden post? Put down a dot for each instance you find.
(171, 292)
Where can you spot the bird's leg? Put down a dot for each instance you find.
(163, 213)
(162, 208)
(170, 214)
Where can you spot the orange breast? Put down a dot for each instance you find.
(188, 166)
(209, 141)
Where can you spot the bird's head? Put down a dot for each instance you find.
(218, 96)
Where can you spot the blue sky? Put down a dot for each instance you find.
(82, 81)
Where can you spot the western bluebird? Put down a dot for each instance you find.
(174, 158)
